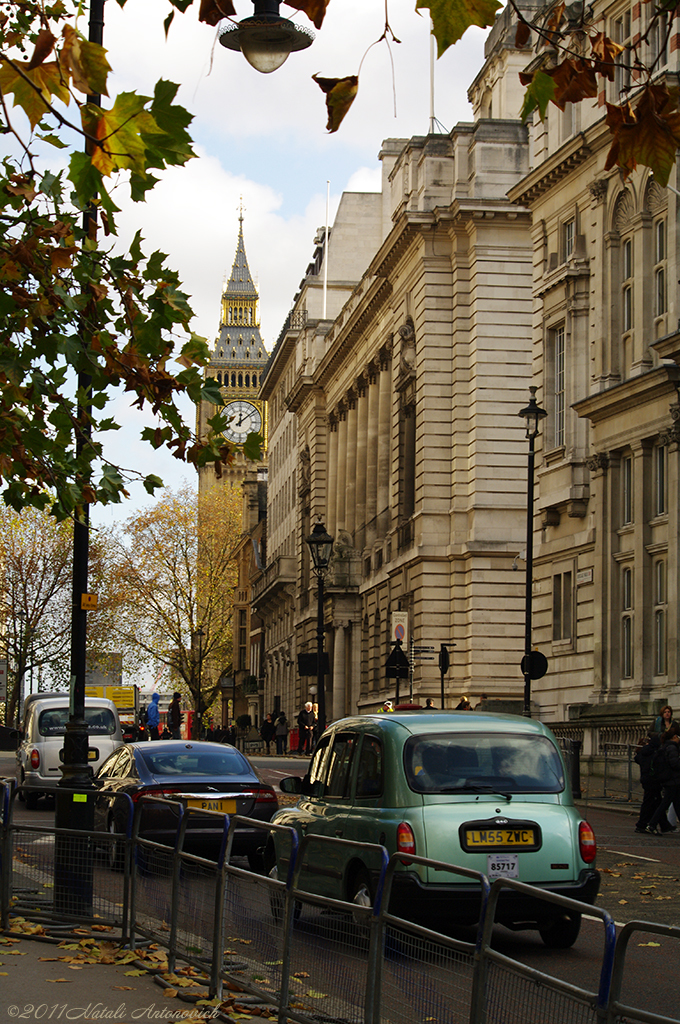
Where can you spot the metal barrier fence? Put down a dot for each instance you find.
(317, 959)
(65, 875)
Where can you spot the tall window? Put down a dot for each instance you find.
(660, 665)
(659, 268)
(621, 34)
(568, 229)
(658, 39)
(242, 639)
(627, 279)
(627, 490)
(660, 484)
(627, 624)
(559, 354)
(562, 606)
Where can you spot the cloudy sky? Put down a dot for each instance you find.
(263, 137)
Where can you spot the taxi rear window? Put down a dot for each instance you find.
(482, 762)
(100, 721)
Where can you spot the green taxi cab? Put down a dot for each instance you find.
(480, 791)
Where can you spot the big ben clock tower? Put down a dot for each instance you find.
(237, 362)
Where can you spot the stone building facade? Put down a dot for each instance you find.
(397, 414)
(605, 357)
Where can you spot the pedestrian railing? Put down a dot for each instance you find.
(315, 958)
(618, 771)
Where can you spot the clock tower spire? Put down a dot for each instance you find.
(237, 362)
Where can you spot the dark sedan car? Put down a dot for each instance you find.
(198, 775)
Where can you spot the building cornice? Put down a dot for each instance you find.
(629, 394)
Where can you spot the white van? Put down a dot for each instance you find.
(42, 739)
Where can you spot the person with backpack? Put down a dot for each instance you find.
(651, 787)
(666, 769)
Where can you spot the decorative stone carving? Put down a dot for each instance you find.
(656, 198)
(624, 211)
(305, 469)
(598, 190)
(407, 348)
(598, 462)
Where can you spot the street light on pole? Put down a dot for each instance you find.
(320, 545)
(266, 39)
(532, 415)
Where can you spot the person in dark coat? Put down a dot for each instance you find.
(666, 767)
(175, 715)
(306, 724)
(651, 787)
(267, 732)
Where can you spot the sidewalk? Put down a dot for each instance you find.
(41, 980)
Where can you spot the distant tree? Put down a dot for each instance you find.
(35, 601)
(170, 588)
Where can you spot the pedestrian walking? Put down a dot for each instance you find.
(666, 767)
(652, 788)
(305, 722)
(153, 717)
(175, 715)
(267, 732)
(281, 733)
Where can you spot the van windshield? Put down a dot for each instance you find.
(483, 762)
(100, 721)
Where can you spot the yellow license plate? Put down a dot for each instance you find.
(225, 806)
(493, 838)
(92, 754)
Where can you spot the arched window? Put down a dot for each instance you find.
(240, 380)
(247, 380)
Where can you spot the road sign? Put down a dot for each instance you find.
(400, 626)
(396, 666)
(419, 649)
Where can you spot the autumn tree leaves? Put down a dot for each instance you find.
(170, 585)
(69, 308)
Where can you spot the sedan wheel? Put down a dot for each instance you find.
(32, 801)
(561, 932)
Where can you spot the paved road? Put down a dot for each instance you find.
(640, 877)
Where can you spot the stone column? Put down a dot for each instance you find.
(372, 459)
(672, 440)
(362, 442)
(602, 558)
(384, 421)
(339, 672)
(340, 497)
(332, 485)
(351, 482)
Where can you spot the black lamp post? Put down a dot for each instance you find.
(266, 39)
(321, 547)
(198, 635)
(532, 415)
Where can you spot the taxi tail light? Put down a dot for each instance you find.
(406, 841)
(586, 842)
(35, 759)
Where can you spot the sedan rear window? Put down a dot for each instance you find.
(482, 762)
(196, 762)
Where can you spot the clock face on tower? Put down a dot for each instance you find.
(244, 419)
